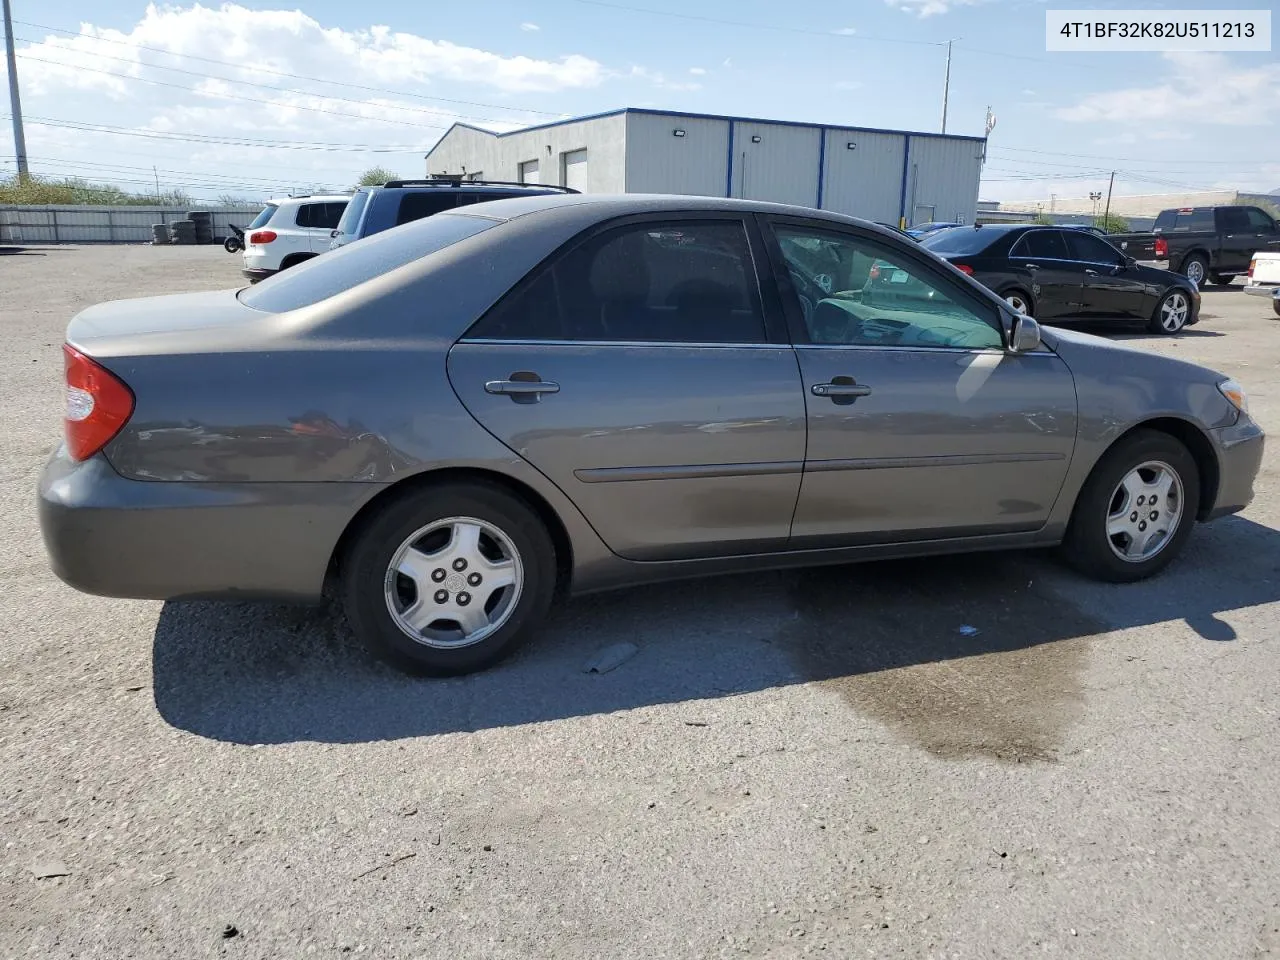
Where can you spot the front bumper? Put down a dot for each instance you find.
(154, 540)
(1240, 448)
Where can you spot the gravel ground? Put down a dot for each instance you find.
(807, 762)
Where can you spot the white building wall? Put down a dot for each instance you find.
(865, 181)
(782, 167)
(660, 162)
(942, 179)
(492, 156)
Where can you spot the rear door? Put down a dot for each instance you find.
(1109, 291)
(1056, 280)
(921, 425)
(319, 220)
(644, 371)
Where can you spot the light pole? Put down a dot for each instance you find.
(1095, 196)
(15, 103)
(946, 83)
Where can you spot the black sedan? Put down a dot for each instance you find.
(1062, 275)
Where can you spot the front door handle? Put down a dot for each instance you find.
(1092, 273)
(1032, 266)
(522, 387)
(841, 390)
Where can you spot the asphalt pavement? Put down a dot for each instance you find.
(969, 757)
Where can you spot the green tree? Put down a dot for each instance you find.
(36, 190)
(1111, 223)
(1043, 219)
(376, 177)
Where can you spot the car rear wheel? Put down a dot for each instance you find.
(1195, 268)
(1020, 302)
(1172, 313)
(1222, 279)
(449, 580)
(1136, 510)
(1275, 305)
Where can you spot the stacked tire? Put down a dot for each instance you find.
(203, 221)
(182, 232)
(160, 234)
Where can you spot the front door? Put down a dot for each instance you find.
(1056, 281)
(636, 371)
(1109, 290)
(921, 425)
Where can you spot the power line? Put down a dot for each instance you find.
(1095, 156)
(233, 96)
(249, 83)
(281, 73)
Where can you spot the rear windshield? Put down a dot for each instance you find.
(958, 241)
(261, 219)
(339, 270)
(1179, 221)
(351, 216)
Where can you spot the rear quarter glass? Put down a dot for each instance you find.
(349, 266)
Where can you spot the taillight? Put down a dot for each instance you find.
(874, 272)
(964, 268)
(1162, 248)
(262, 236)
(1252, 264)
(98, 404)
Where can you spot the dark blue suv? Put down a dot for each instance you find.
(374, 209)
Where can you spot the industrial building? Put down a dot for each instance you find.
(890, 176)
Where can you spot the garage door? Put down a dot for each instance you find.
(529, 172)
(575, 170)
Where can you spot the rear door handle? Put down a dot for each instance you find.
(1092, 273)
(841, 387)
(522, 387)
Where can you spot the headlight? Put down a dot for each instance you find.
(1235, 394)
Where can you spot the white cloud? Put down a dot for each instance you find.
(929, 8)
(1028, 93)
(530, 27)
(846, 31)
(659, 79)
(698, 71)
(1205, 88)
(849, 84)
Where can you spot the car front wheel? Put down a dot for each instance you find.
(1136, 510)
(1020, 302)
(450, 579)
(1172, 313)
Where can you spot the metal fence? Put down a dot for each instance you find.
(105, 224)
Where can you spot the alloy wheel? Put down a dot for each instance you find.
(1145, 511)
(1174, 311)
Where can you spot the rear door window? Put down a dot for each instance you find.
(1234, 220)
(654, 282)
(1045, 244)
(415, 206)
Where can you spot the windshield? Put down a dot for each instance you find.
(958, 241)
(351, 216)
(349, 266)
(261, 219)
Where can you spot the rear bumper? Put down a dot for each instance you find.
(114, 537)
(1270, 290)
(258, 273)
(1240, 450)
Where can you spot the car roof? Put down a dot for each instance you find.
(317, 198)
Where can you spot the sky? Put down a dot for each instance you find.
(255, 99)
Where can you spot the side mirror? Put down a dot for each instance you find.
(1130, 261)
(333, 232)
(1025, 335)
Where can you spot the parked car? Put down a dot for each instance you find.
(1264, 278)
(1213, 243)
(397, 202)
(552, 395)
(288, 232)
(924, 229)
(1087, 228)
(1068, 275)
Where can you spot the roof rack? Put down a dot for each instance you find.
(459, 182)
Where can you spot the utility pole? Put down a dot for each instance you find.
(946, 85)
(15, 104)
(1106, 217)
(156, 174)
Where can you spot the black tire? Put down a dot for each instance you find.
(1275, 305)
(1017, 292)
(1222, 279)
(232, 245)
(365, 564)
(293, 261)
(1159, 324)
(1088, 548)
(1196, 267)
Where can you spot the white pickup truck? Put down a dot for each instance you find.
(1264, 277)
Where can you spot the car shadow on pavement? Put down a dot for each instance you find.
(980, 654)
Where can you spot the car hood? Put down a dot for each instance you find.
(149, 324)
(1102, 357)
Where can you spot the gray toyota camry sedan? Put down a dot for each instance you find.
(453, 423)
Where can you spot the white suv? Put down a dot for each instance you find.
(289, 231)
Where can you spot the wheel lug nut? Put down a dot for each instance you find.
(474, 579)
(463, 599)
(1142, 525)
(442, 596)
(1154, 514)
(438, 574)
(459, 564)
(1141, 501)
(1133, 517)
(1152, 501)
